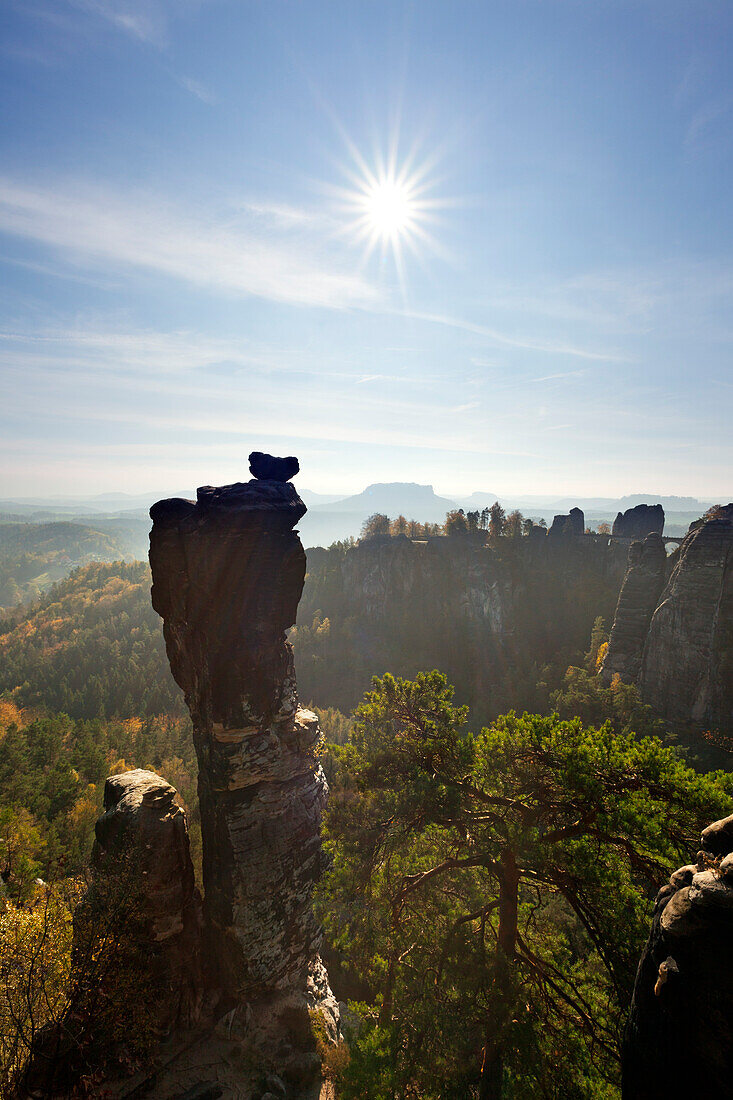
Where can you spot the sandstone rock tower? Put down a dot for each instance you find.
(638, 522)
(639, 596)
(687, 666)
(228, 573)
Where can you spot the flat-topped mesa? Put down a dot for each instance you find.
(228, 573)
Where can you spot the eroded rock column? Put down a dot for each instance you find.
(637, 600)
(687, 666)
(228, 573)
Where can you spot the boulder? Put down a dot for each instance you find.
(718, 837)
(266, 467)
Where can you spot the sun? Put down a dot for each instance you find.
(390, 205)
(389, 208)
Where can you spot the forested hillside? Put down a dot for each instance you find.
(52, 773)
(92, 648)
(504, 622)
(35, 555)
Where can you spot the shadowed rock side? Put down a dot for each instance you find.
(228, 573)
(639, 596)
(143, 835)
(687, 666)
(638, 522)
(136, 958)
(679, 1039)
(496, 613)
(571, 524)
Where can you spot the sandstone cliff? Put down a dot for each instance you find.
(679, 1039)
(489, 617)
(639, 596)
(687, 666)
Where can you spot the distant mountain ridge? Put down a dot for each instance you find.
(395, 497)
(333, 517)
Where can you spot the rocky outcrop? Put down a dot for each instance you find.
(136, 959)
(638, 522)
(141, 844)
(571, 524)
(687, 665)
(679, 1038)
(639, 596)
(228, 573)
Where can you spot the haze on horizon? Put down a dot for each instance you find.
(484, 247)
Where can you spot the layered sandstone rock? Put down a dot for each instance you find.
(571, 524)
(228, 573)
(141, 844)
(679, 1039)
(638, 598)
(638, 522)
(687, 666)
(137, 971)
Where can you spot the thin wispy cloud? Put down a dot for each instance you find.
(705, 120)
(145, 20)
(100, 226)
(529, 344)
(173, 361)
(196, 88)
(559, 376)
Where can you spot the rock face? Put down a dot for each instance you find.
(137, 944)
(228, 573)
(572, 524)
(638, 522)
(143, 834)
(638, 598)
(496, 612)
(679, 1039)
(687, 665)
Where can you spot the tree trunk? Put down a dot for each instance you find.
(385, 1013)
(490, 1084)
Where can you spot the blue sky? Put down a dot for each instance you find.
(183, 280)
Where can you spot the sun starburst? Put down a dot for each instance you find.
(390, 206)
